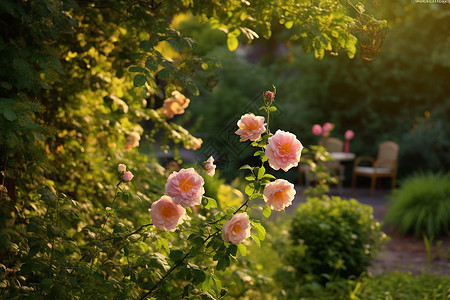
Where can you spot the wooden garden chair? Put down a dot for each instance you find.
(385, 165)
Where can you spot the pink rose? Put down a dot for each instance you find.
(317, 129)
(132, 141)
(127, 176)
(121, 168)
(250, 127)
(283, 150)
(279, 194)
(349, 134)
(185, 187)
(237, 229)
(175, 105)
(210, 167)
(166, 215)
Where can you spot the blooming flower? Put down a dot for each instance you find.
(166, 215)
(283, 150)
(237, 229)
(210, 167)
(349, 134)
(175, 105)
(185, 187)
(317, 129)
(250, 127)
(127, 176)
(121, 168)
(132, 141)
(279, 194)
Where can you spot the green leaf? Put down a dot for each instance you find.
(151, 64)
(255, 238)
(261, 172)
(209, 202)
(199, 276)
(164, 74)
(139, 80)
(223, 263)
(9, 114)
(126, 196)
(218, 282)
(267, 211)
(246, 167)
(272, 108)
(260, 231)
(136, 69)
(351, 46)
(146, 46)
(158, 261)
(242, 249)
(269, 176)
(249, 189)
(232, 249)
(250, 178)
(232, 43)
(176, 255)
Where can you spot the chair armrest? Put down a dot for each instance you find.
(358, 160)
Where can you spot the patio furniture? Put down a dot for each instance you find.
(385, 165)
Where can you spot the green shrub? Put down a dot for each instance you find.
(333, 238)
(422, 205)
(390, 286)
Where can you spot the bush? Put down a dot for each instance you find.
(333, 238)
(422, 205)
(396, 285)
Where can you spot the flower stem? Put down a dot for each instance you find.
(112, 203)
(174, 267)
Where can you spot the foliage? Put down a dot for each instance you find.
(316, 157)
(392, 285)
(386, 99)
(333, 238)
(59, 248)
(421, 205)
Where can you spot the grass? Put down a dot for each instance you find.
(422, 205)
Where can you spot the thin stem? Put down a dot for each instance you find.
(112, 203)
(174, 267)
(130, 234)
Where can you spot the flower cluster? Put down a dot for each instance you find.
(125, 175)
(323, 130)
(185, 188)
(175, 105)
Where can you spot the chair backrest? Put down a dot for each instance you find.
(388, 155)
(333, 144)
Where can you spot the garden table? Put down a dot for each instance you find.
(336, 163)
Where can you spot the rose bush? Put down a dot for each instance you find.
(181, 252)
